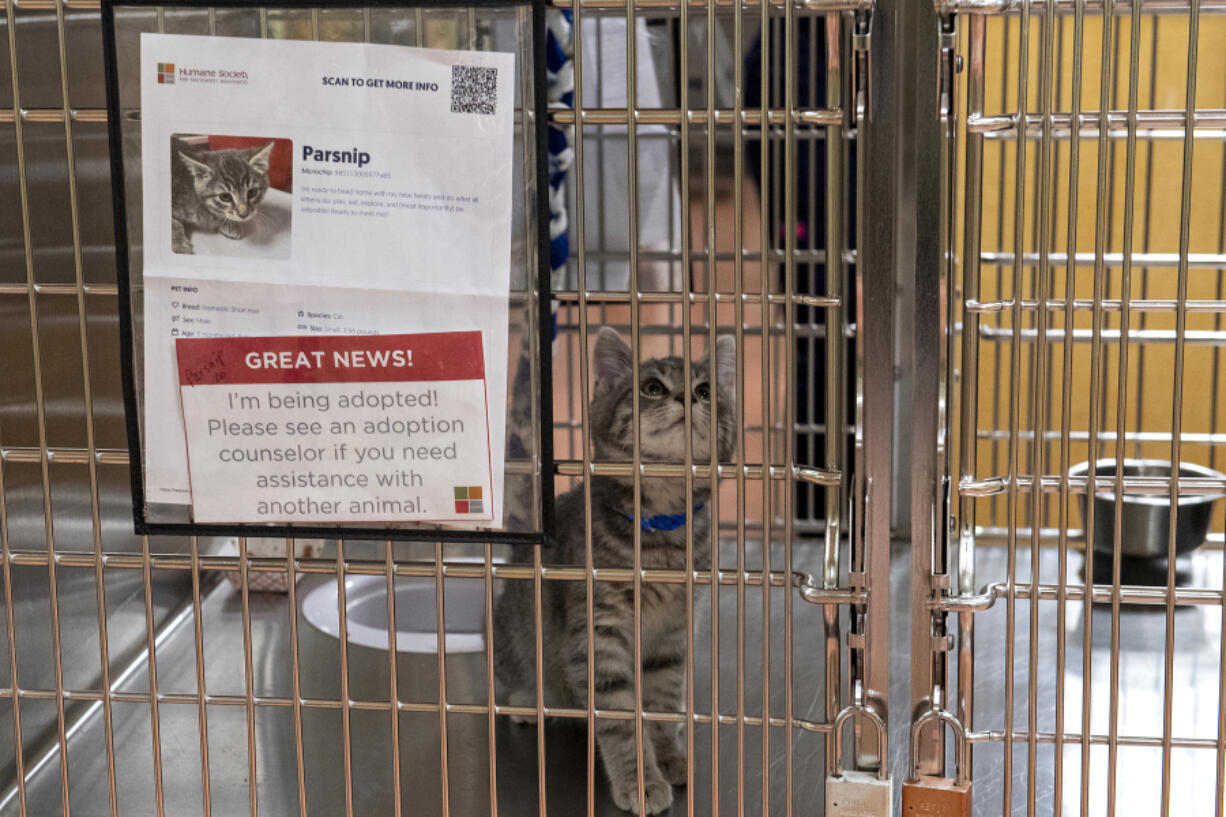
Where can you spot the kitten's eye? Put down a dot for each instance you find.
(702, 391)
(226, 198)
(653, 388)
(251, 194)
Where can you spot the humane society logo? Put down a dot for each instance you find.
(468, 499)
(167, 74)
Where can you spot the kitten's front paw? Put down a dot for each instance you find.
(183, 247)
(670, 756)
(229, 230)
(658, 794)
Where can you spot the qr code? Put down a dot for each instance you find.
(474, 89)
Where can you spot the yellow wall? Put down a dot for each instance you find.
(1156, 204)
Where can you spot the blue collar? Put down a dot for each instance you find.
(663, 521)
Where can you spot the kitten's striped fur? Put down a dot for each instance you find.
(564, 612)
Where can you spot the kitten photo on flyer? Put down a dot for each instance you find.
(231, 195)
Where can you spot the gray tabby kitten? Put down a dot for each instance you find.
(564, 605)
(215, 190)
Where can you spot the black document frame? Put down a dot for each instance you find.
(540, 282)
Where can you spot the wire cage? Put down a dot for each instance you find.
(709, 189)
(1083, 216)
(977, 247)
(758, 140)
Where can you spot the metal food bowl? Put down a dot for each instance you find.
(1147, 517)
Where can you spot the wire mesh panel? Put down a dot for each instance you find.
(745, 109)
(707, 190)
(1083, 216)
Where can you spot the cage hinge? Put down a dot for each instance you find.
(862, 71)
(858, 508)
(948, 37)
(940, 581)
(942, 643)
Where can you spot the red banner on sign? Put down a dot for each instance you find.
(331, 359)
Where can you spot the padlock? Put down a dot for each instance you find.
(928, 796)
(855, 793)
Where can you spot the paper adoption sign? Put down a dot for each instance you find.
(298, 189)
(337, 429)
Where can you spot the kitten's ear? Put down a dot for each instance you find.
(198, 169)
(725, 361)
(258, 157)
(611, 358)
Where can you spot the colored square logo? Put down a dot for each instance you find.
(166, 73)
(469, 498)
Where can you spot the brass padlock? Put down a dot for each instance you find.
(928, 796)
(854, 793)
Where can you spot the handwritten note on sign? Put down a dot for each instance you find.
(323, 429)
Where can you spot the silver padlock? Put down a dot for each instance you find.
(856, 793)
